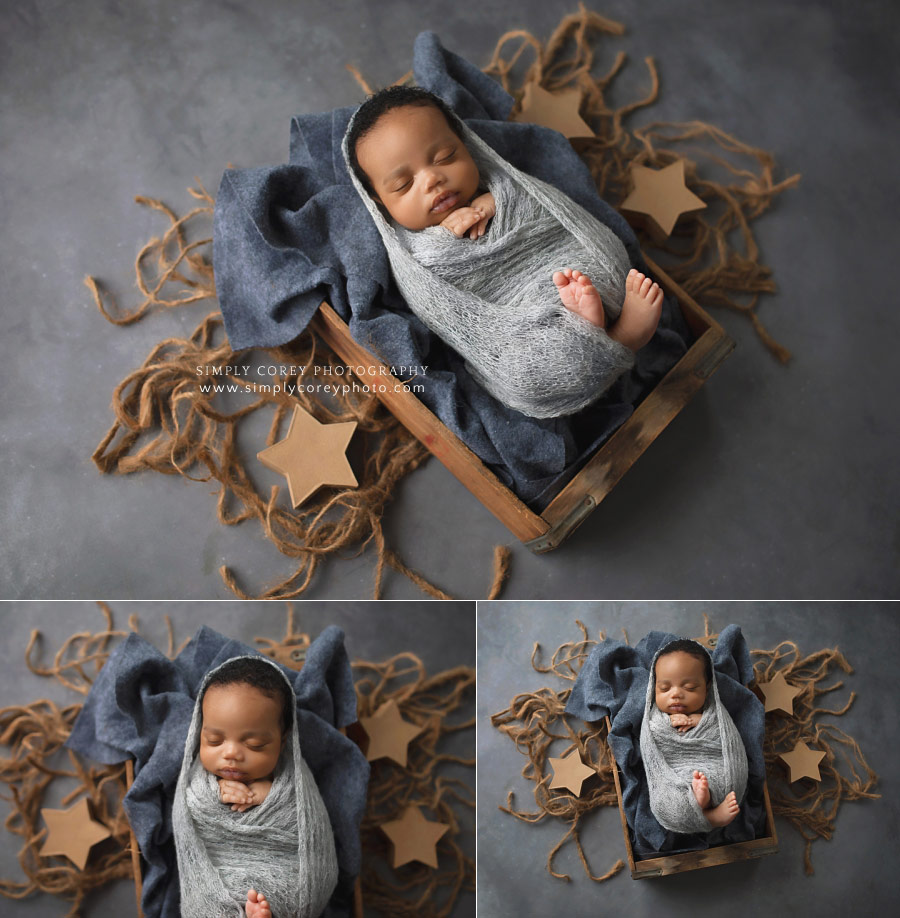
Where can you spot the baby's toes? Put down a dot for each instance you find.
(560, 279)
(656, 294)
(645, 286)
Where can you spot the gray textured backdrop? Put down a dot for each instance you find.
(852, 875)
(775, 481)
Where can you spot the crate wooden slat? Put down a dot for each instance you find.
(545, 531)
(667, 864)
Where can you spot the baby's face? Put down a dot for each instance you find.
(241, 737)
(680, 683)
(419, 169)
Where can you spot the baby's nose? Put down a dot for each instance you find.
(433, 178)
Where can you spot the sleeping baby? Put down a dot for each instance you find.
(252, 834)
(694, 758)
(534, 292)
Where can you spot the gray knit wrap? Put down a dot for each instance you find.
(494, 301)
(283, 848)
(714, 747)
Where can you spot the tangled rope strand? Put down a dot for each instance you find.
(811, 807)
(533, 722)
(716, 262)
(428, 702)
(170, 419)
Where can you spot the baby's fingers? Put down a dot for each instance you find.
(479, 229)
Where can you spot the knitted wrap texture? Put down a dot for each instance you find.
(283, 848)
(714, 747)
(493, 299)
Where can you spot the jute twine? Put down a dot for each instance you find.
(166, 422)
(427, 780)
(713, 255)
(811, 807)
(535, 720)
(34, 734)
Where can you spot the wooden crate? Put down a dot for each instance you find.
(667, 864)
(542, 532)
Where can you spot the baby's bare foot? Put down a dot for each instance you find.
(640, 312)
(257, 906)
(724, 813)
(580, 296)
(700, 785)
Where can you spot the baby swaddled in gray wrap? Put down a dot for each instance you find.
(694, 758)
(543, 303)
(252, 834)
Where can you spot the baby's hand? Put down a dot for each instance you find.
(260, 790)
(240, 796)
(473, 218)
(684, 722)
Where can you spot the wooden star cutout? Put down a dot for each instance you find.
(803, 762)
(659, 198)
(389, 734)
(414, 837)
(570, 772)
(779, 694)
(72, 833)
(554, 110)
(708, 641)
(311, 455)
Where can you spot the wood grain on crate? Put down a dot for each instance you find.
(667, 864)
(588, 487)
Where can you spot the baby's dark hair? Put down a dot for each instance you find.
(383, 101)
(255, 672)
(692, 648)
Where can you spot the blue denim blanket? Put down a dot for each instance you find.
(613, 683)
(287, 237)
(140, 707)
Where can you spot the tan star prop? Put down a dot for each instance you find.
(389, 734)
(311, 455)
(554, 110)
(570, 772)
(414, 837)
(779, 694)
(659, 198)
(72, 833)
(708, 641)
(803, 762)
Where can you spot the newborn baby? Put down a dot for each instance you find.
(247, 814)
(496, 262)
(694, 758)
